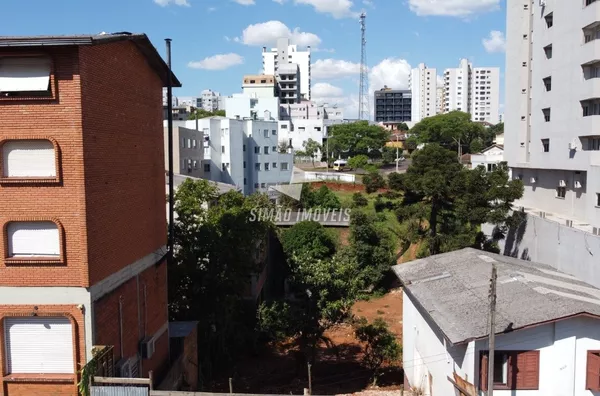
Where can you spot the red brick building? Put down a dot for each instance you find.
(82, 218)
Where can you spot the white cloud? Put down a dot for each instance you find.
(324, 90)
(164, 3)
(336, 8)
(279, 1)
(393, 72)
(334, 68)
(495, 42)
(227, 38)
(454, 8)
(369, 3)
(217, 62)
(267, 33)
(329, 50)
(211, 9)
(245, 2)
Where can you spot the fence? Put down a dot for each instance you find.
(330, 176)
(103, 386)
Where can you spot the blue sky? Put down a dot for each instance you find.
(216, 42)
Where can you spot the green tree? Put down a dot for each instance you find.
(373, 181)
(396, 181)
(323, 292)
(207, 277)
(380, 344)
(323, 198)
(497, 129)
(349, 140)
(358, 161)
(372, 246)
(201, 113)
(476, 146)
(359, 200)
(308, 238)
(389, 154)
(311, 148)
(447, 130)
(403, 127)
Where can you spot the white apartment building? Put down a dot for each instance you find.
(259, 86)
(286, 53)
(210, 100)
(552, 113)
(244, 153)
(473, 90)
(423, 85)
(439, 100)
(188, 151)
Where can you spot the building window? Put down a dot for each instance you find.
(266, 150)
(284, 126)
(598, 200)
(507, 364)
(284, 166)
(244, 164)
(195, 164)
(263, 185)
(266, 166)
(274, 165)
(28, 76)
(28, 159)
(266, 133)
(274, 149)
(245, 181)
(36, 345)
(588, 2)
(592, 381)
(274, 132)
(222, 149)
(549, 20)
(33, 239)
(546, 112)
(548, 51)
(593, 143)
(548, 83)
(257, 166)
(255, 185)
(561, 192)
(206, 167)
(256, 150)
(244, 148)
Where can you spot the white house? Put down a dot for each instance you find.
(547, 327)
(488, 158)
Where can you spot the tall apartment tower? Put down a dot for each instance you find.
(552, 115)
(439, 100)
(287, 53)
(473, 90)
(82, 209)
(423, 85)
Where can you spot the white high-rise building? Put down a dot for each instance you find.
(287, 53)
(439, 100)
(423, 85)
(552, 113)
(474, 90)
(210, 100)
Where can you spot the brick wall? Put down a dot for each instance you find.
(46, 384)
(59, 119)
(123, 154)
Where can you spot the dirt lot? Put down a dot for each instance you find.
(338, 370)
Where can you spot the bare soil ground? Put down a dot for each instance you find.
(338, 370)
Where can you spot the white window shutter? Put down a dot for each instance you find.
(33, 239)
(28, 158)
(24, 74)
(39, 345)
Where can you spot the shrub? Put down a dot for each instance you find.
(373, 182)
(359, 200)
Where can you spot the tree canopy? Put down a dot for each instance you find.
(349, 140)
(201, 113)
(309, 238)
(311, 149)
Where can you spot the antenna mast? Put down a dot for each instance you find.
(364, 110)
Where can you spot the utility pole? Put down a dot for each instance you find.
(492, 335)
(170, 144)
(397, 153)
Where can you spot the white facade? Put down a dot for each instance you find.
(244, 153)
(243, 106)
(439, 100)
(423, 85)
(552, 114)
(473, 90)
(259, 86)
(429, 360)
(210, 100)
(300, 130)
(489, 158)
(286, 53)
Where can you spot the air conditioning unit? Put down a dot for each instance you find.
(533, 180)
(562, 183)
(123, 368)
(147, 347)
(577, 184)
(569, 223)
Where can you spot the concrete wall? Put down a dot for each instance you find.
(544, 241)
(182, 138)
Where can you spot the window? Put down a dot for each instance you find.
(594, 143)
(283, 126)
(33, 239)
(263, 185)
(245, 181)
(189, 143)
(182, 142)
(588, 2)
(274, 149)
(195, 164)
(284, 166)
(224, 167)
(255, 185)
(592, 380)
(598, 199)
(266, 166)
(256, 150)
(25, 76)
(549, 20)
(546, 112)
(222, 149)
(206, 167)
(266, 150)
(548, 83)
(548, 51)
(274, 132)
(244, 164)
(513, 370)
(37, 345)
(244, 148)
(266, 133)
(28, 159)
(274, 165)
(257, 167)
(561, 192)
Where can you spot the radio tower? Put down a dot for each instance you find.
(364, 110)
